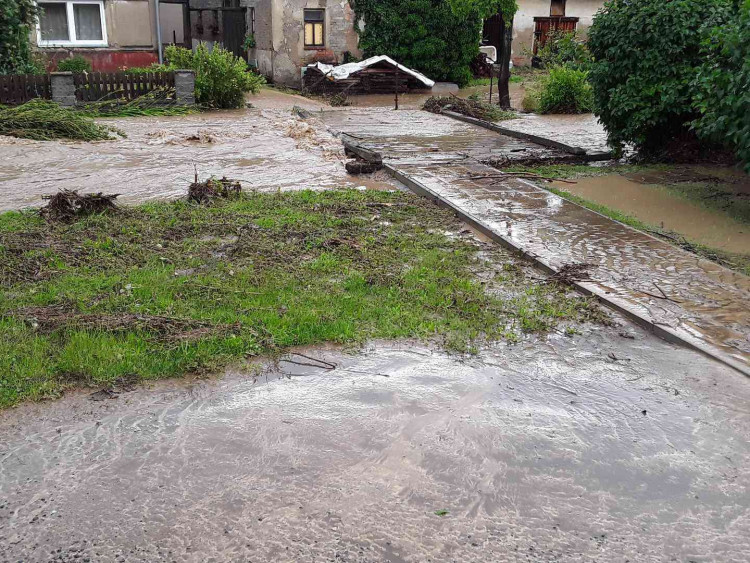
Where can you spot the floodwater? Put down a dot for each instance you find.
(266, 149)
(705, 304)
(658, 206)
(545, 451)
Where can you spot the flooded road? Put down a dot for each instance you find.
(656, 205)
(677, 293)
(542, 451)
(266, 149)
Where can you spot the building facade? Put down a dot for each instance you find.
(287, 34)
(111, 34)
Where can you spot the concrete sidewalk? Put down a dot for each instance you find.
(678, 295)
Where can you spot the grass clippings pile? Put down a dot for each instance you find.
(211, 189)
(156, 103)
(466, 106)
(172, 288)
(69, 205)
(42, 120)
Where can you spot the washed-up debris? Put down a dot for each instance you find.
(472, 108)
(362, 167)
(570, 273)
(49, 319)
(203, 192)
(68, 205)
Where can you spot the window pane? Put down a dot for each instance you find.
(318, 33)
(309, 34)
(314, 15)
(53, 22)
(88, 22)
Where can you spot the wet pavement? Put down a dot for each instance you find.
(583, 131)
(159, 157)
(699, 302)
(548, 450)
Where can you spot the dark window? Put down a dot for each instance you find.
(557, 8)
(252, 21)
(231, 4)
(315, 28)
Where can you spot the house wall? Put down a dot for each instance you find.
(523, 23)
(279, 34)
(131, 38)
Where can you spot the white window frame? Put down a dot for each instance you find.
(73, 41)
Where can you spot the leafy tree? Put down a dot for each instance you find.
(422, 34)
(16, 19)
(646, 54)
(722, 85)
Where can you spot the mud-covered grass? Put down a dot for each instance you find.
(166, 289)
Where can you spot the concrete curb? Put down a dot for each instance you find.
(588, 289)
(545, 142)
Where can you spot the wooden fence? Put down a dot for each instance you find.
(105, 86)
(20, 88)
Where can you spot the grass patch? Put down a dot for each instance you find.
(152, 104)
(43, 120)
(165, 289)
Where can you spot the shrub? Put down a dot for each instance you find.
(74, 64)
(645, 55)
(565, 90)
(221, 79)
(722, 86)
(425, 35)
(565, 48)
(16, 19)
(155, 67)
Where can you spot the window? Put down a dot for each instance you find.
(314, 28)
(557, 8)
(252, 21)
(72, 23)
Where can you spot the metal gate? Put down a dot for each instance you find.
(234, 24)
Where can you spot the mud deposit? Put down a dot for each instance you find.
(544, 451)
(655, 205)
(266, 149)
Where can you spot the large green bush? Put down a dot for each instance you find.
(74, 64)
(722, 85)
(565, 48)
(17, 17)
(426, 35)
(646, 53)
(221, 79)
(565, 90)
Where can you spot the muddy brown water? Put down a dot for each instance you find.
(656, 205)
(266, 149)
(545, 451)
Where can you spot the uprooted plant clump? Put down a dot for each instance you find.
(211, 189)
(171, 288)
(69, 205)
(43, 120)
(467, 106)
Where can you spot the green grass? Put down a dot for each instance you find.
(167, 289)
(43, 120)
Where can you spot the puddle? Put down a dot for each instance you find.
(656, 205)
(548, 448)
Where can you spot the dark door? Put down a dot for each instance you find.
(235, 28)
(492, 34)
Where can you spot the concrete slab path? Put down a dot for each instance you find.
(677, 294)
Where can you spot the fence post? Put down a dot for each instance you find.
(63, 89)
(184, 85)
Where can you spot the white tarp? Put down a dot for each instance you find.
(342, 72)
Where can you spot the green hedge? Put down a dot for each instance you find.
(425, 35)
